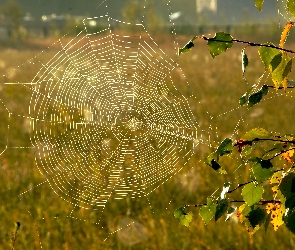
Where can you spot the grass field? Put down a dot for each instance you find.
(212, 88)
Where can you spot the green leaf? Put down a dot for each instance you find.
(254, 159)
(262, 170)
(188, 47)
(225, 148)
(277, 148)
(264, 90)
(208, 211)
(288, 137)
(246, 150)
(257, 97)
(275, 62)
(281, 66)
(183, 217)
(254, 99)
(245, 97)
(258, 4)
(243, 213)
(219, 43)
(215, 165)
(266, 164)
(221, 208)
(287, 185)
(291, 7)
(257, 217)
(290, 202)
(267, 54)
(256, 133)
(287, 188)
(290, 221)
(252, 193)
(245, 61)
(210, 161)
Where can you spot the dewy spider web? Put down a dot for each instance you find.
(104, 122)
(106, 125)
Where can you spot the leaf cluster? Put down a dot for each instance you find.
(273, 166)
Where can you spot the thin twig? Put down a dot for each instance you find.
(288, 87)
(282, 169)
(278, 154)
(249, 43)
(264, 139)
(17, 226)
(240, 185)
(261, 202)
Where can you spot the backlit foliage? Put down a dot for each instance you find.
(268, 198)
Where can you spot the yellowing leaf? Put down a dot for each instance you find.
(285, 33)
(288, 155)
(277, 194)
(275, 190)
(258, 4)
(239, 212)
(277, 211)
(276, 178)
(278, 63)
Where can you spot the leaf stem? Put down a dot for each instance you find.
(239, 186)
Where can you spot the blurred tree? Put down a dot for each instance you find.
(134, 11)
(12, 15)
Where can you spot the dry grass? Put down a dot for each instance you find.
(213, 88)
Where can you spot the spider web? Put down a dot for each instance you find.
(104, 122)
(108, 127)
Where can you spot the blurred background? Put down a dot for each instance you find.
(40, 18)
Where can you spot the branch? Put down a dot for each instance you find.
(249, 43)
(278, 154)
(282, 169)
(260, 139)
(240, 185)
(13, 239)
(261, 202)
(288, 87)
